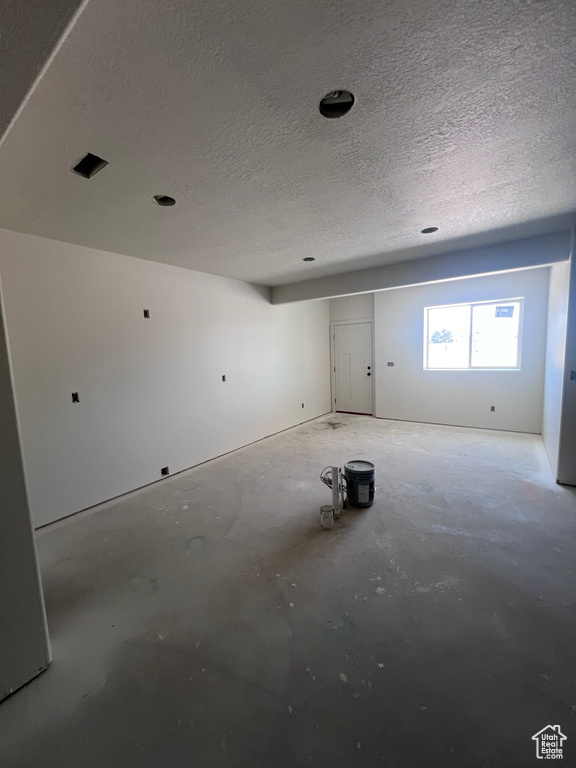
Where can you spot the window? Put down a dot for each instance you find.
(471, 336)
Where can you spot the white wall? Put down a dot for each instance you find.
(555, 354)
(359, 307)
(567, 447)
(408, 392)
(24, 650)
(150, 391)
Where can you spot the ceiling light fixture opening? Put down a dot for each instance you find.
(336, 104)
(164, 200)
(428, 230)
(309, 258)
(89, 165)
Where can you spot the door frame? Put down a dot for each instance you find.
(333, 325)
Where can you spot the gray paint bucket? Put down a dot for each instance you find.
(359, 476)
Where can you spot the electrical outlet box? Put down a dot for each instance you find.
(492, 407)
(164, 471)
(146, 313)
(390, 365)
(224, 377)
(302, 405)
(75, 397)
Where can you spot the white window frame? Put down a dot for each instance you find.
(471, 304)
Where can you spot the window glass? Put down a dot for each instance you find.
(482, 335)
(495, 335)
(449, 337)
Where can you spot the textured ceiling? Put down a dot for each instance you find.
(29, 32)
(464, 119)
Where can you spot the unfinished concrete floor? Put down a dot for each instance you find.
(208, 621)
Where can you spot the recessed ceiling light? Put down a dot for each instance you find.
(428, 230)
(309, 258)
(164, 200)
(336, 103)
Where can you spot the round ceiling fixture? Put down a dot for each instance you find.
(336, 103)
(428, 230)
(164, 200)
(309, 258)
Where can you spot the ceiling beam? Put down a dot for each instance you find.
(503, 257)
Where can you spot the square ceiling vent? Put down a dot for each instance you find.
(89, 165)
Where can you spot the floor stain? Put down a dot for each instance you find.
(196, 542)
(344, 631)
(143, 585)
(334, 424)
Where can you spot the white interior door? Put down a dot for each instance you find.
(353, 367)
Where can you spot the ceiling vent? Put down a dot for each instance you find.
(89, 166)
(336, 104)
